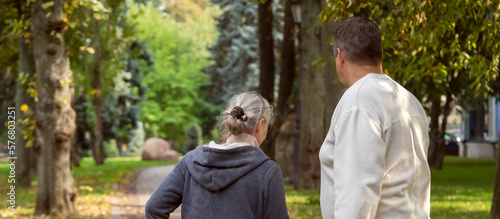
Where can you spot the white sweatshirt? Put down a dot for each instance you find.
(374, 157)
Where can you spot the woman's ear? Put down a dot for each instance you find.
(260, 125)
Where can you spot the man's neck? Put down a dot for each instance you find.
(357, 72)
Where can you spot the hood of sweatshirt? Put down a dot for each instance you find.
(215, 169)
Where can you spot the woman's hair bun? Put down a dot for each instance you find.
(238, 112)
(243, 112)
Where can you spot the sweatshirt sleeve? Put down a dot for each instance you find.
(358, 169)
(168, 196)
(274, 195)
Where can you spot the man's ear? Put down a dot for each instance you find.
(340, 57)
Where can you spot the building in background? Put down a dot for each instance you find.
(479, 130)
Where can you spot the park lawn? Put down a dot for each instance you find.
(463, 189)
(96, 185)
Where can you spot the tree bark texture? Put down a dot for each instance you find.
(24, 169)
(444, 122)
(55, 118)
(296, 132)
(333, 88)
(287, 75)
(119, 143)
(312, 98)
(75, 155)
(436, 135)
(267, 68)
(96, 85)
(495, 204)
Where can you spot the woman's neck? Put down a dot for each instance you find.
(242, 138)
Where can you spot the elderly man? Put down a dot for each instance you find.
(374, 157)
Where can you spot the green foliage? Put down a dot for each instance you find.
(193, 138)
(434, 47)
(47, 5)
(116, 37)
(10, 29)
(179, 52)
(29, 125)
(83, 116)
(136, 140)
(120, 65)
(110, 149)
(187, 10)
(235, 53)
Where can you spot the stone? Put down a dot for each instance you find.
(158, 149)
(170, 155)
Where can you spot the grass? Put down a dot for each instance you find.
(94, 184)
(463, 189)
(302, 204)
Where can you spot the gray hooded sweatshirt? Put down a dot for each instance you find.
(239, 182)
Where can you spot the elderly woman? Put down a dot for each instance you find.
(234, 179)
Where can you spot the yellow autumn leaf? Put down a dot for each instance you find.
(93, 92)
(88, 188)
(90, 50)
(48, 14)
(82, 48)
(24, 108)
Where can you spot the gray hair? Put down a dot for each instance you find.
(360, 41)
(253, 107)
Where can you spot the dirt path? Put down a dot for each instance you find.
(145, 182)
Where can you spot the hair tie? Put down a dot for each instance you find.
(238, 113)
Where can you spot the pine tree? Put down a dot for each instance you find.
(235, 53)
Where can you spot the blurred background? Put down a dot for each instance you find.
(104, 89)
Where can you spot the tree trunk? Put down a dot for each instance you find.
(444, 122)
(495, 204)
(55, 118)
(287, 74)
(333, 88)
(24, 171)
(75, 156)
(92, 143)
(96, 85)
(119, 143)
(437, 149)
(296, 133)
(267, 69)
(312, 97)
(437, 143)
